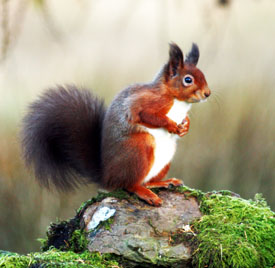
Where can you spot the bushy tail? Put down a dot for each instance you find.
(61, 137)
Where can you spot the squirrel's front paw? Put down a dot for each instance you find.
(183, 128)
(173, 128)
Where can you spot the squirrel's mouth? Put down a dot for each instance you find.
(200, 96)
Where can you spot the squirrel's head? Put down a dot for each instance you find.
(182, 78)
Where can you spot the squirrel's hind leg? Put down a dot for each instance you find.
(164, 184)
(128, 166)
(146, 194)
(156, 182)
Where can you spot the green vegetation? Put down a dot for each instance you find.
(78, 241)
(106, 224)
(64, 235)
(56, 258)
(187, 191)
(234, 233)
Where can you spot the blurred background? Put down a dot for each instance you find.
(105, 46)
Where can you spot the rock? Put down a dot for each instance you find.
(142, 233)
(119, 228)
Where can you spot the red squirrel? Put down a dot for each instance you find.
(69, 137)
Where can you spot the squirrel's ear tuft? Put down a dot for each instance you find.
(175, 60)
(193, 56)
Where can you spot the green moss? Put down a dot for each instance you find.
(6, 253)
(78, 241)
(15, 260)
(234, 233)
(189, 192)
(59, 234)
(56, 258)
(75, 241)
(106, 224)
(181, 237)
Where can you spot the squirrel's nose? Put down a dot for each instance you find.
(207, 93)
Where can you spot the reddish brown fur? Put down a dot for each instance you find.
(135, 158)
(156, 181)
(176, 88)
(150, 107)
(161, 174)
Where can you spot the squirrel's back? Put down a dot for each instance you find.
(61, 137)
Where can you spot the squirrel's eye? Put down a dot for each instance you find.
(188, 80)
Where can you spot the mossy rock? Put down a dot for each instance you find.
(56, 258)
(235, 232)
(228, 232)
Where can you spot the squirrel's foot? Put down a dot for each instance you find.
(183, 128)
(164, 184)
(146, 195)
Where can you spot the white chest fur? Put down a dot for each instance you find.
(179, 111)
(165, 143)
